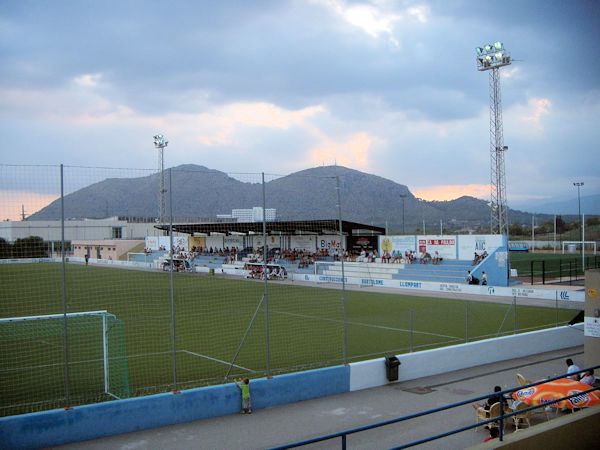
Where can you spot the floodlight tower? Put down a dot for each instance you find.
(160, 143)
(493, 57)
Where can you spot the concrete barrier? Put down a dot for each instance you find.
(368, 374)
(59, 426)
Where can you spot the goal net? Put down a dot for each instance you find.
(33, 367)
(575, 247)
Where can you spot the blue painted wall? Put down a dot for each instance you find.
(80, 423)
(496, 272)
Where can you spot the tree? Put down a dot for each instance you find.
(561, 226)
(515, 229)
(592, 221)
(5, 250)
(29, 247)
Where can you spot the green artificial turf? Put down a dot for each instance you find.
(219, 330)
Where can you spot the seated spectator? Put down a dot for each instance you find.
(588, 378)
(571, 369)
(489, 402)
(494, 433)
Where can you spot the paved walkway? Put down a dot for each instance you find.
(283, 424)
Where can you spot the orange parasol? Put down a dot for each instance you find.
(552, 390)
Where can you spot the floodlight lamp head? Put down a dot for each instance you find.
(479, 51)
(159, 141)
(498, 45)
(488, 48)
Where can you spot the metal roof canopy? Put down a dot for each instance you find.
(330, 226)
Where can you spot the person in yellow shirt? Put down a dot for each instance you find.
(246, 402)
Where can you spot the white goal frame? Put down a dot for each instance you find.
(103, 314)
(578, 243)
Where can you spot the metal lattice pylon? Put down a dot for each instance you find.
(160, 143)
(492, 57)
(499, 209)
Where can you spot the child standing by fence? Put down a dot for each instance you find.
(246, 403)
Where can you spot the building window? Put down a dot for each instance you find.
(117, 232)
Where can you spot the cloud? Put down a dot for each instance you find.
(354, 151)
(14, 202)
(88, 80)
(452, 191)
(532, 115)
(377, 18)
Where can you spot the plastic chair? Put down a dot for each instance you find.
(521, 417)
(522, 381)
(482, 414)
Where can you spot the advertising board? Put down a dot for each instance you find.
(397, 245)
(358, 243)
(444, 245)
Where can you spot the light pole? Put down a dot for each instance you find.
(402, 196)
(160, 143)
(579, 184)
(492, 57)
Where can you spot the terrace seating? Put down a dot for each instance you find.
(448, 271)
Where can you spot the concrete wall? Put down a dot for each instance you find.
(368, 374)
(592, 318)
(80, 423)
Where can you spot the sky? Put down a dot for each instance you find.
(386, 87)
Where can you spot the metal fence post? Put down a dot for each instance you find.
(342, 248)
(466, 321)
(411, 336)
(266, 284)
(556, 306)
(64, 288)
(171, 283)
(531, 271)
(515, 314)
(543, 271)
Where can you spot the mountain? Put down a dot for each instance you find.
(590, 204)
(201, 193)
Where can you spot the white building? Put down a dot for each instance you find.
(250, 215)
(84, 229)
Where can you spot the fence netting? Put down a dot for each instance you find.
(127, 282)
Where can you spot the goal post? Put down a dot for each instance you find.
(34, 345)
(575, 246)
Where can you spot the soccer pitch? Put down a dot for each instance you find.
(220, 329)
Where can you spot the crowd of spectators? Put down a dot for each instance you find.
(477, 258)
(258, 272)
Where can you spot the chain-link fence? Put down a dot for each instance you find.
(126, 282)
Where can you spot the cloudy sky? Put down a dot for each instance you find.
(386, 87)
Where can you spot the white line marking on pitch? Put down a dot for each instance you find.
(383, 327)
(217, 360)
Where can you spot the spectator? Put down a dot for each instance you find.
(571, 369)
(588, 378)
(494, 433)
(483, 279)
(244, 387)
(490, 401)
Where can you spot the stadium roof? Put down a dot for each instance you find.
(330, 226)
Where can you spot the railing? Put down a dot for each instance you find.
(501, 418)
(561, 270)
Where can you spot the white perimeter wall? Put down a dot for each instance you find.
(368, 374)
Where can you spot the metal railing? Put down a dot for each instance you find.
(499, 419)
